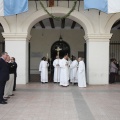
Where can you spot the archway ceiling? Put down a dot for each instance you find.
(116, 25)
(50, 23)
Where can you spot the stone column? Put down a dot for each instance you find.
(17, 46)
(97, 68)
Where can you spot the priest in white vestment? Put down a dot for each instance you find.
(69, 63)
(64, 71)
(73, 69)
(81, 73)
(43, 68)
(56, 64)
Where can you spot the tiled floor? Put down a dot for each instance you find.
(38, 101)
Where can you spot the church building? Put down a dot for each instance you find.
(89, 33)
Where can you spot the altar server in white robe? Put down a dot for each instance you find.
(64, 71)
(43, 68)
(73, 69)
(81, 73)
(69, 63)
(56, 64)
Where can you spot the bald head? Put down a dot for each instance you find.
(80, 59)
(4, 55)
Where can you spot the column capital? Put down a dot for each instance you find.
(97, 37)
(16, 36)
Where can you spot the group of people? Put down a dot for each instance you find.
(114, 68)
(65, 71)
(8, 75)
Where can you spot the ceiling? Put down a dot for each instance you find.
(65, 24)
(54, 24)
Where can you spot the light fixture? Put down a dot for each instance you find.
(60, 38)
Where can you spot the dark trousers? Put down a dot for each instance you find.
(2, 87)
(112, 77)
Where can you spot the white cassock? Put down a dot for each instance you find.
(56, 64)
(64, 72)
(73, 69)
(43, 68)
(69, 63)
(81, 74)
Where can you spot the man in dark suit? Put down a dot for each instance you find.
(4, 75)
(14, 71)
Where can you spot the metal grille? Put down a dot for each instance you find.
(115, 50)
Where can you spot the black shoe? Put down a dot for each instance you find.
(7, 97)
(3, 102)
(12, 95)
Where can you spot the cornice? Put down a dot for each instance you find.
(16, 36)
(97, 37)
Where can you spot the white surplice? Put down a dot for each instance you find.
(73, 69)
(56, 64)
(69, 63)
(43, 68)
(64, 72)
(81, 74)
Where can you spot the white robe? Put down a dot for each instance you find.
(43, 68)
(64, 72)
(81, 74)
(56, 64)
(73, 70)
(69, 63)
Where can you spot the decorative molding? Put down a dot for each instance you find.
(97, 37)
(16, 36)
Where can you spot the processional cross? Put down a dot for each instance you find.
(58, 50)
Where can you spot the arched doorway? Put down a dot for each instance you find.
(2, 42)
(43, 42)
(115, 48)
(4, 28)
(40, 15)
(113, 26)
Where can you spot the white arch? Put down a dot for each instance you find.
(111, 21)
(41, 14)
(4, 25)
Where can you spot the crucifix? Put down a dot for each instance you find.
(58, 50)
(51, 3)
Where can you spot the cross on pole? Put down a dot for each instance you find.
(58, 50)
